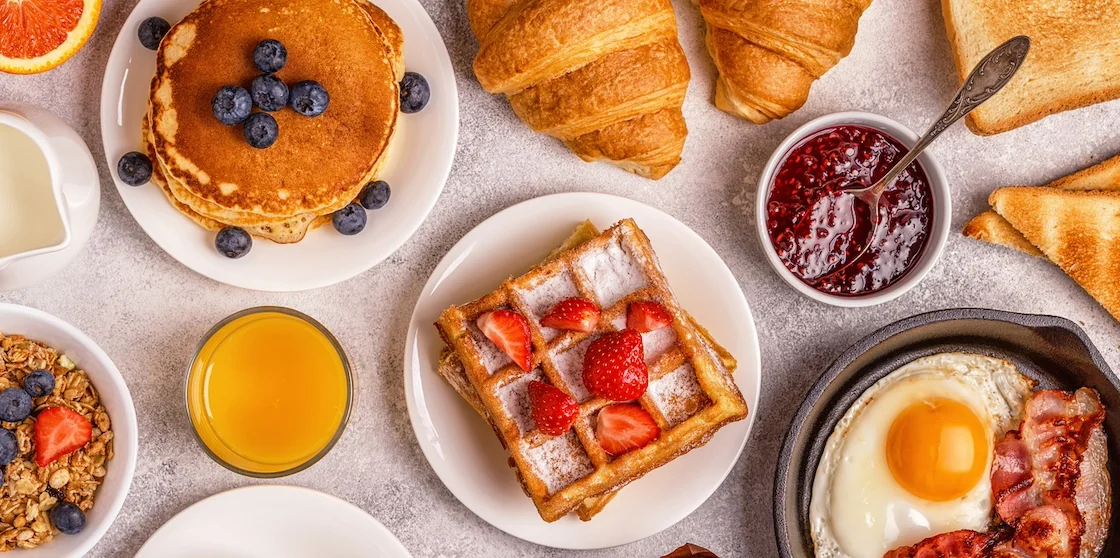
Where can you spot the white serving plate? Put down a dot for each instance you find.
(419, 161)
(273, 521)
(463, 450)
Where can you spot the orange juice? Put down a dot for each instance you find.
(268, 392)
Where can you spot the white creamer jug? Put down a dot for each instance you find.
(49, 195)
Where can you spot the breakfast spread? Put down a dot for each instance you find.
(37, 36)
(588, 396)
(1069, 221)
(925, 458)
(1072, 64)
(819, 231)
(314, 145)
(268, 392)
(55, 444)
(607, 78)
(770, 52)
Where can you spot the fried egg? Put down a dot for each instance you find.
(911, 458)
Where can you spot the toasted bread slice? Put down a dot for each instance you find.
(1077, 230)
(990, 227)
(1074, 60)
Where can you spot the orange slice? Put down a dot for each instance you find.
(37, 35)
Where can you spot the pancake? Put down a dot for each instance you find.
(318, 165)
(287, 232)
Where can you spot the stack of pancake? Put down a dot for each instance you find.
(318, 165)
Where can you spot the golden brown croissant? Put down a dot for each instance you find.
(607, 77)
(769, 52)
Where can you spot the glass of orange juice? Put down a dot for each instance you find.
(269, 392)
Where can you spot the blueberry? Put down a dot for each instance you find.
(233, 242)
(269, 93)
(152, 31)
(309, 98)
(350, 219)
(232, 105)
(39, 383)
(68, 518)
(15, 405)
(375, 195)
(261, 130)
(270, 56)
(9, 446)
(134, 168)
(414, 93)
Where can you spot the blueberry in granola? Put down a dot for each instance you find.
(15, 405)
(9, 446)
(68, 518)
(38, 383)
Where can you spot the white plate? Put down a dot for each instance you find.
(463, 450)
(418, 163)
(274, 522)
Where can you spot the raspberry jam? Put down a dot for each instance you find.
(817, 229)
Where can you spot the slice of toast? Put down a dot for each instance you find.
(1078, 230)
(990, 227)
(1074, 60)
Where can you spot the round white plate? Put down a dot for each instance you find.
(273, 521)
(463, 450)
(419, 161)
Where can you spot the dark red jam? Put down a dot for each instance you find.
(817, 229)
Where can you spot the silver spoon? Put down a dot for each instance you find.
(986, 79)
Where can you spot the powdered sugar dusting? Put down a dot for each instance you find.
(492, 357)
(613, 273)
(515, 399)
(559, 462)
(678, 394)
(543, 296)
(570, 366)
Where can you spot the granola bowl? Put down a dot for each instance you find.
(97, 476)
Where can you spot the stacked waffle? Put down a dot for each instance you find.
(691, 393)
(317, 165)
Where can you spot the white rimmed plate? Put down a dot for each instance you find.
(463, 450)
(418, 164)
(273, 521)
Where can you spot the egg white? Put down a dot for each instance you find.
(858, 510)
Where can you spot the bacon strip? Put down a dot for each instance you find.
(956, 544)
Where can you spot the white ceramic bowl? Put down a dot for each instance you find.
(56, 333)
(942, 209)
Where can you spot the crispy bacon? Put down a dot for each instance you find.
(956, 544)
(1035, 472)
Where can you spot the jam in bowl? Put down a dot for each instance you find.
(821, 238)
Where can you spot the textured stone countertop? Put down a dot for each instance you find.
(148, 311)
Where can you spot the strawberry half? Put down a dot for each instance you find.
(59, 432)
(646, 316)
(510, 332)
(572, 314)
(615, 366)
(625, 427)
(553, 410)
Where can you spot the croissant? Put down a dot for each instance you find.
(606, 77)
(769, 52)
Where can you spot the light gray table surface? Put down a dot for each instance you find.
(148, 311)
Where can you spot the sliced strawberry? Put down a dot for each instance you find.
(646, 316)
(572, 314)
(615, 366)
(59, 432)
(624, 427)
(510, 332)
(553, 410)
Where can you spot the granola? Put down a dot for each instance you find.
(30, 491)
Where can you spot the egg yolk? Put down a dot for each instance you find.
(937, 449)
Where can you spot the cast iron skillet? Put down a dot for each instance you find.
(1052, 350)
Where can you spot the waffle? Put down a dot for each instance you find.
(691, 393)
